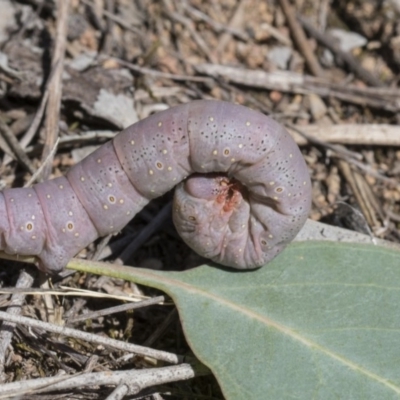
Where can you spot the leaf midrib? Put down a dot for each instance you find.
(164, 283)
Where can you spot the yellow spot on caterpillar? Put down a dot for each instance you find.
(61, 186)
(272, 183)
(111, 227)
(33, 217)
(122, 201)
(160, 123)
(304, 183)
(169, 169)
(99, 160)
(270, 236)
(63, 230)
(70, 213)
(132, 142)
(233, 159)
(240, 145)
(289, 195)
(29, 194)
(105, 206)
(128, 213)
(290, 155)
(82, 179)
(215, 152)
(48, 196)
(11, 200)
(211, 119)
(76, 234)
(33, 237)
(248, 123)
(151, 172)
(275, 198)
(174, 179)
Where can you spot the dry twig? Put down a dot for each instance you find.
(115, 344)
(19, 153)
(352, 134)
(291, 82)
(54, 100)
(117, 309)
(301, 40)
(134, 381)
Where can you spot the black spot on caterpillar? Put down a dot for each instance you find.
(243, 189)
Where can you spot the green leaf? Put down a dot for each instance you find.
(322, 321)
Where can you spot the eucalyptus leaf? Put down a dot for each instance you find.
(321, 321)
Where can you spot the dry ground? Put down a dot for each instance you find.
(61, 69)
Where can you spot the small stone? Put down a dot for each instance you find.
(79, 154)
(280, 56)
(117, 108)
(348, 41)
(83, 61)
(275, 96)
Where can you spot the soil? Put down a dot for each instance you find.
(104, 64)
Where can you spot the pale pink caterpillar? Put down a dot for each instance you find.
(243, 188)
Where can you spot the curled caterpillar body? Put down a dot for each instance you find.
(243, 189)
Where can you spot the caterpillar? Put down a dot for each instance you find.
(243, 189)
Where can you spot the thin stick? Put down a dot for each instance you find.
(54, 101)
(291, 82)
(300, 39)
(117, 309)
(159, 74)
(30, 133)
(14, 145)
(336, 148)
(47, 161)
(135, 380)
(351, 134)
(115, 344)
